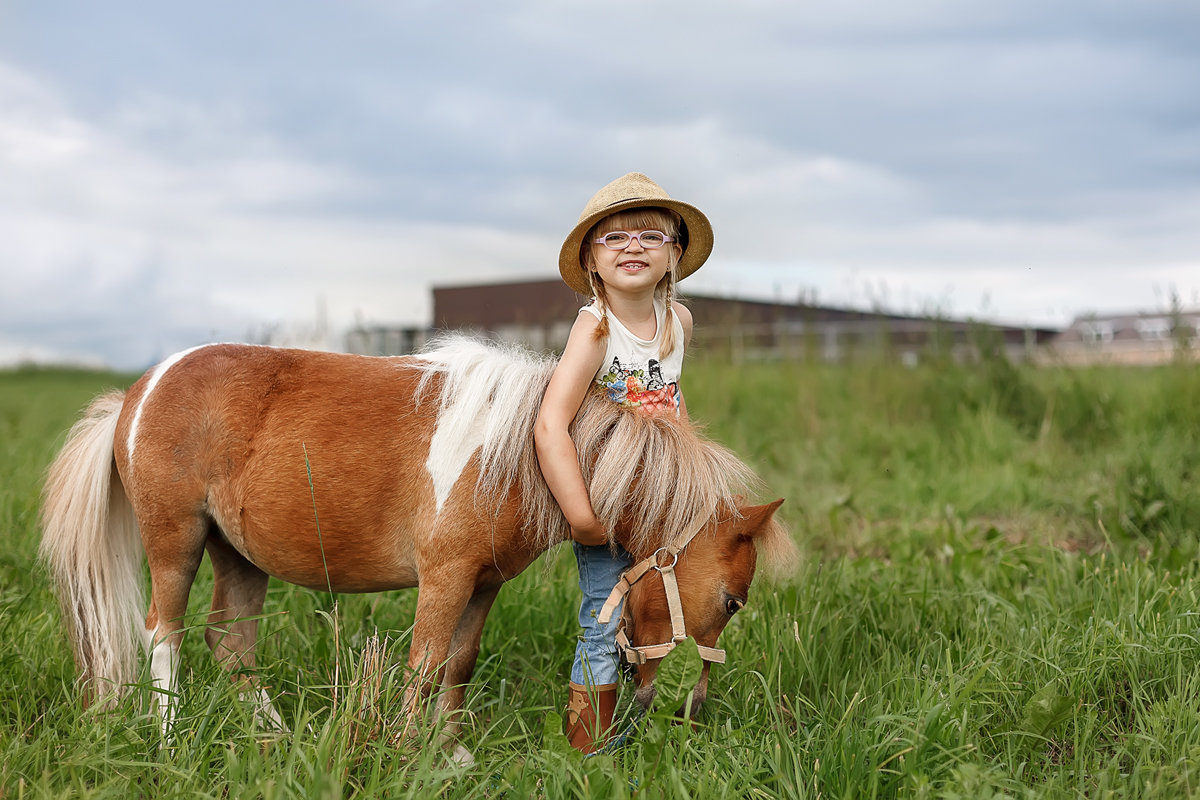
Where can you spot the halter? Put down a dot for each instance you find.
(640, 655)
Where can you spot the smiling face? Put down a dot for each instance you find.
(637, 268)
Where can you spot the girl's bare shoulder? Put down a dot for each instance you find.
(586, 319)
(585, 349)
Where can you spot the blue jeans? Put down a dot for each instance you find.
(596, 659)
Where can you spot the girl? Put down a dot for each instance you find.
(630, 247)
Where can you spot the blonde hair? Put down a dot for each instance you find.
(644, 218)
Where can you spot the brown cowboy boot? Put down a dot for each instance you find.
(590, 711)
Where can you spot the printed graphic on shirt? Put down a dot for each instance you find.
(640, 386)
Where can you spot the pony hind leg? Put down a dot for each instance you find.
(239, 589)
(174, 549)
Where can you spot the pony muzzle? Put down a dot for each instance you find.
(645, 695)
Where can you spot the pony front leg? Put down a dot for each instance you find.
(464, 651)
(441, 602)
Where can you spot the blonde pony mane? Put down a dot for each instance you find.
(647, 475)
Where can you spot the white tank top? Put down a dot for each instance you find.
(633, 373)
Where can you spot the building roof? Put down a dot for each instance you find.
(489, 306)
(1129, 326)
(545, 302)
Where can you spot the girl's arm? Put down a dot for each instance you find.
(685, 319)
(556, 451)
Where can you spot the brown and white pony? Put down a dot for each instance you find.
(354, 474)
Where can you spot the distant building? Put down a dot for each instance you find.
(383, 340)
(1134, 338)
(758, 329)
(539, 314)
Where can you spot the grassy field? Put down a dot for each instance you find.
(998, 598)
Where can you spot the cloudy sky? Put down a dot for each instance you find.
(178, 173)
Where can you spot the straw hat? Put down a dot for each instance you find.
(635, 190)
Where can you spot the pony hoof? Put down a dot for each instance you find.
(462, 756)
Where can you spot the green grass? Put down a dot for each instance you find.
(999, 598)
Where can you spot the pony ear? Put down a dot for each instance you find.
(777, 553)
(755, 519)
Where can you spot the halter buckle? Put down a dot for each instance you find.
(674, 559)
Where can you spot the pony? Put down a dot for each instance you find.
(348, 473)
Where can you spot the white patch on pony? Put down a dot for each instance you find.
(459, 433)
(155, 377)
(485, 405)
(264, 711)
(164, 677)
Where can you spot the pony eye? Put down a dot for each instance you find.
(732, 605)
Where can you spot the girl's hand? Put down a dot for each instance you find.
(591, 534)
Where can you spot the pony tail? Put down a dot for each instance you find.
(90, 543)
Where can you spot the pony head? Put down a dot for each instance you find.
(713, 574)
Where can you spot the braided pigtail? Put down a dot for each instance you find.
(667, 292)
(601, 300)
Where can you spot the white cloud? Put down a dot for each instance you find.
(94, 230)
(937, 152)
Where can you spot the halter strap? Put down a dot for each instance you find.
(640, 655)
